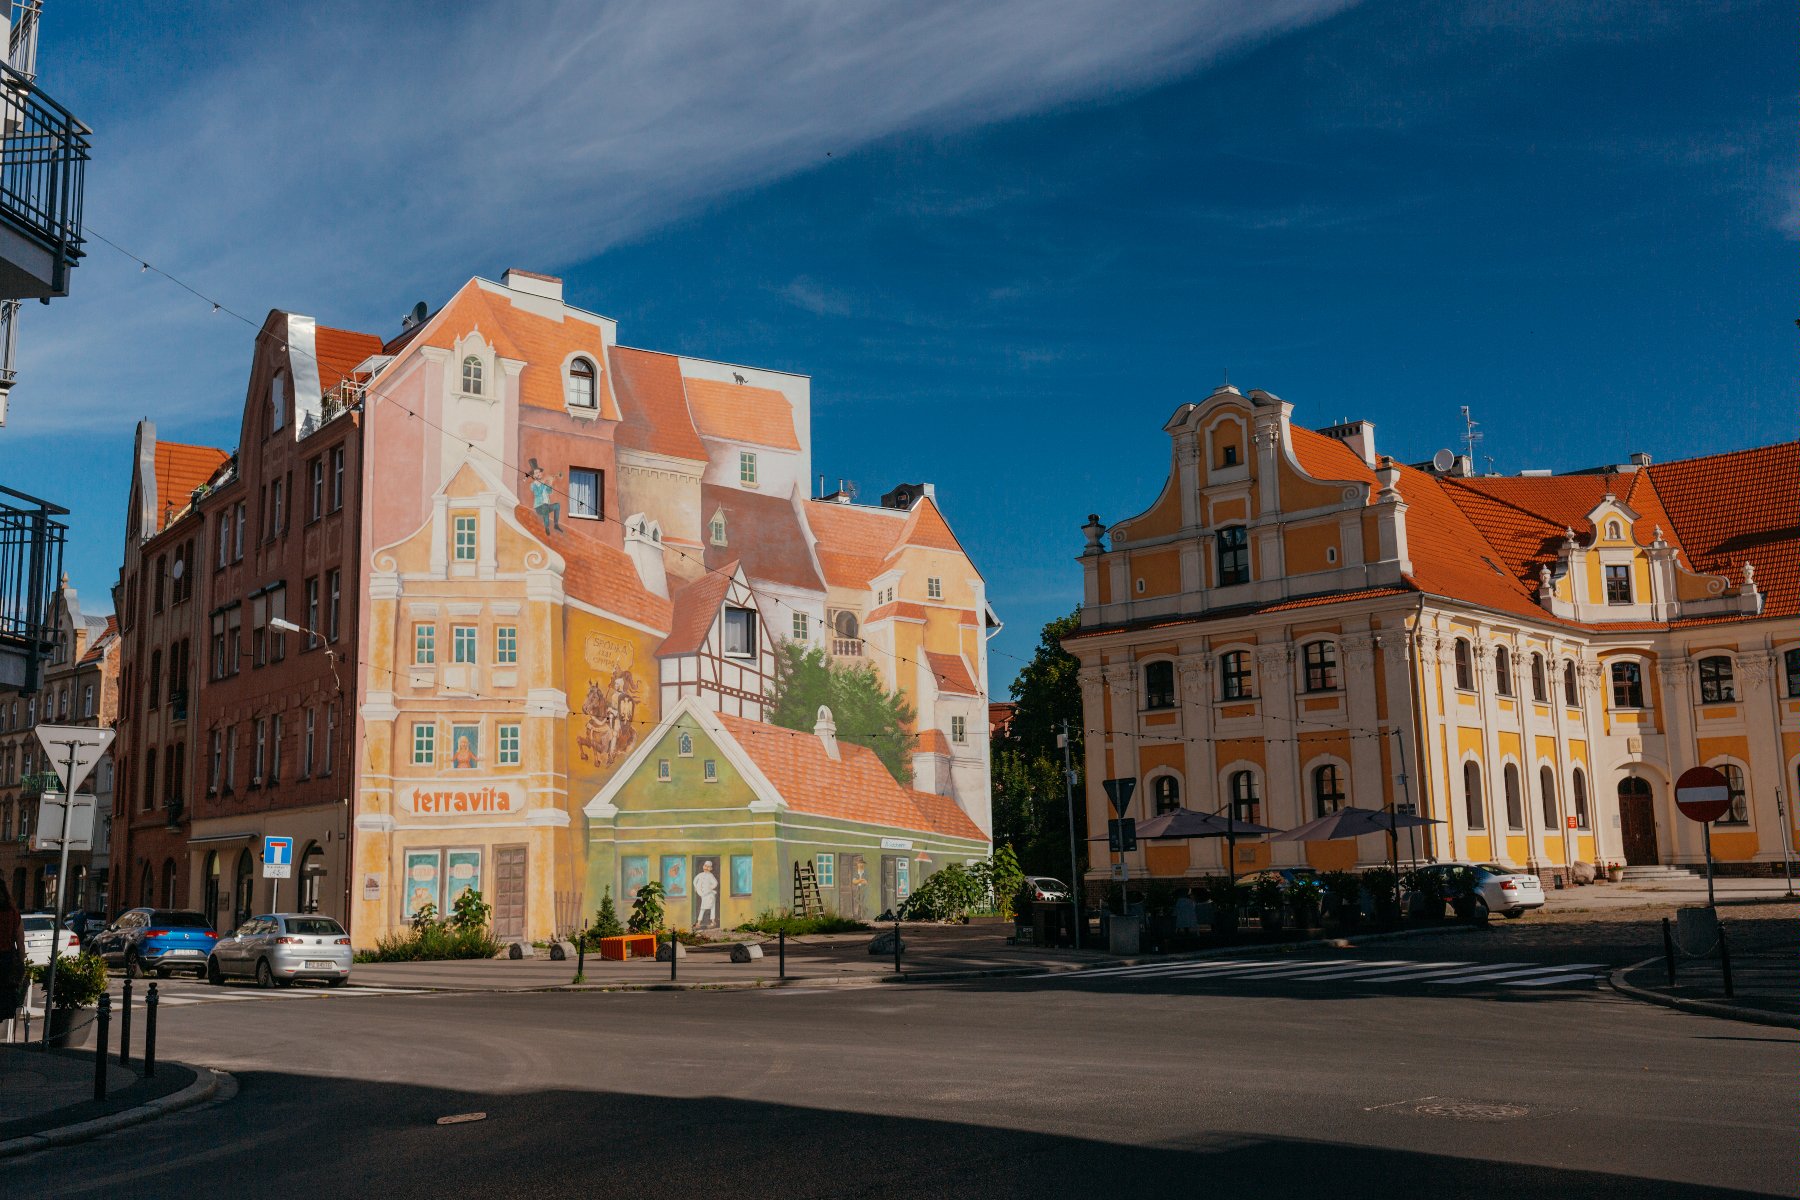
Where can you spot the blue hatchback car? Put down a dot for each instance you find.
(156, 939)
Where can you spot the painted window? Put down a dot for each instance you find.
(1547, 796)
(1717, 686)
(934, 588)
(1540, 687)
(1246, 802)
(1618, 583)
(309, 744)
(715, 529)
(743, 874)
(277, 404)
(1739, 812)
(826, 866)
(1234, 555)
(740, 632)
(1474, 804)
(663, 772)
(465, 747)
(587, 496)
(684, 744)
(462, 643)
(1228, 456)
(582, 393)
(1578, 791)
(902, 878)
(506, 644)
(260, 763)
(959, 730)
(800, 627)
(1465, 665)
(312, 612)
(1321, 666)
(463, 538)
(471, 375)
(1613, 531)
(1790, 666)
(1159, 685)
(1167, 790)
(1515, 799)
(1571, 688)
(508, 740)
(1627, 685)
(709, 771)
(330, 740)
(746, 468)
(1234, 676)
(215, 759)
(1328, 790)
(424, 644)
(424, 744)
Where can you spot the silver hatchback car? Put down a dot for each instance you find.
(280, 948)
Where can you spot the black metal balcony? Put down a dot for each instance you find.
(31, 555)
(43, 159)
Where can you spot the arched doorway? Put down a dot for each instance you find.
(312, 875)
(1637, 822)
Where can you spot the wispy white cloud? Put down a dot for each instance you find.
(350, 163)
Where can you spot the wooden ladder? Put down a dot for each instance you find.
(807, 901)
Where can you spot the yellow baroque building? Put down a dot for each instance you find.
(1299, 623)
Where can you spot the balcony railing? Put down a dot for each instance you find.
(847, 647)
(31, 555)
(43, 159)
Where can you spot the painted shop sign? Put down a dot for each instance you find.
(896, 843)
(460, 798)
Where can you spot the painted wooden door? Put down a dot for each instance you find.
(509, 893)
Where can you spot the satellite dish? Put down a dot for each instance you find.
(419, 313)
(1442, 461)
(179, 569)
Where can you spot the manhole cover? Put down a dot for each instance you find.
(1472, 1110)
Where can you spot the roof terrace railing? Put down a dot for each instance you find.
(43, 161)
(31, 557)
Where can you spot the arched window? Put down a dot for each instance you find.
(471, 375)
(1547, 796)
(1167, 790)
(1328, 790)
(1540, 688)
(582, 393)
(1321, 666)
(1739, 812)
(846, 625)
(1578, 792)
(1159, 685)
(168, 890)
(1627, 685)
(147, 886)
(312, 877)
(241, 899)
(1473, 804)
(1515, 800)
(1465, 666)
(209, 900)
(1234, 676)
(1234, 555)
(1571, 689)
(1717, 686)
(1502, 671)
(1245, 803)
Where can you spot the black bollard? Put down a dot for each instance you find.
(1669, 951)
(581, 956)
(1725, 960)
(104, 1020)
(150, 1032)
(674, 954)
(896, 945)
(125, 1024)
(781, 953)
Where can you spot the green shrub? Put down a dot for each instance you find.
(80, 981)
(428, 939)
(1225, 892)
(771, 922)
(469, 910)
(647, 909)
(1383, 884)
(1267, 892)
(949, 895)
(1343, 888)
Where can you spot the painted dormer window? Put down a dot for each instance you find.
(471, 376)
(1618, 583)
(740, 633)
(715, 529)
(582, 392)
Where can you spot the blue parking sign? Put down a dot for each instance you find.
(278, 857)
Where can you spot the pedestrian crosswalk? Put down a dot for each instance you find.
(1358, 971)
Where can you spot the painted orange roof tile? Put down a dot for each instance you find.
(1327, 458)
(952, 674)
(932, 741)
(904, 610)
(542, 343)
(653, 407)
(695, 608)
(602, 575)
(764, 532)
(853, 540)
(737, 412)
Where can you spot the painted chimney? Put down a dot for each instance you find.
(825, 729)
(644, 544)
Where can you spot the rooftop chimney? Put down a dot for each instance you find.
(1358, 435)
(825, 729)
(533, 284)
(1640, 459)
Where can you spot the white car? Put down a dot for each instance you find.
(38, 929)
(1510, 893)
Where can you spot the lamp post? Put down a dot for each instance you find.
(337, 687)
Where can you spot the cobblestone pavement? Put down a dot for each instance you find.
(1616, 936)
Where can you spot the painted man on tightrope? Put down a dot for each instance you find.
(543, 497)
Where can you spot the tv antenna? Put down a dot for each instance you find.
(1470, 438)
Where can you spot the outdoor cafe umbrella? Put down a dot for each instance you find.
(1350, 822)
(1188, 823)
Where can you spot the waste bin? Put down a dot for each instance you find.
(1124, 933)
(1053, 923)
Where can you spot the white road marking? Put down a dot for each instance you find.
(1370, 971)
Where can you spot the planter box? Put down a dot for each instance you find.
(1124, 934)
(72, 1028)
(629, 945)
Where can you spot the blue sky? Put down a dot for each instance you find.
(1005, 240)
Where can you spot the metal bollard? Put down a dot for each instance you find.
(781, 953)
(125, 1024)
(104, 1019)
(896, 945)
(674, 954)
(1725, 960)
(1669, 951)
(581, 955)
(150, 1002)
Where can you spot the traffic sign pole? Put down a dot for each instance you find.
(62, 878)
(1703, 794)
(1706, 834)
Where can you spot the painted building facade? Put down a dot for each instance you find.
(1298, 623)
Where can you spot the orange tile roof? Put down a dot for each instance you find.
(96, 649)
(339, 351)
(695, 608)
(653, 405)
(926, 527)
(736, 412)
(932, 741)
(1325, 457)
(764, 531)
(952, 674)
(853, 787)
(180, 468)
(601, 575)
(1738, 507)
(906, 610)
(853, 540)
(542, 343)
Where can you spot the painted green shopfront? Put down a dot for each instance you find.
(720, 809)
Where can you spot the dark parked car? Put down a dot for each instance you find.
(156, 939)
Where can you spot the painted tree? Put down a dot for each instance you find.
(865, 712)
(1030, 803)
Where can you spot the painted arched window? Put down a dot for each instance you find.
(1502, 671)
(1613, 531)
(1540, 688)
(471, 375)
(1739, 812)
(1627, 685)
(1473, 806)
(1515, 800)
(1465, 665)
(1547, 796)
(1167, 790)
(1328, 790)
(1234, 676)
(1578, 792)
(1321, 666)
(845, 625)
(1717, 684)
(1159, 685)
(1571, 689)
(582, 377)
(1246, 803)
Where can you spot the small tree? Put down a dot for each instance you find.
(606, 919)
(469, 912)
(1005, 878)
(647, 909)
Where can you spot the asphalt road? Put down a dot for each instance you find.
(1235, 1084)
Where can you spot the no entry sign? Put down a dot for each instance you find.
(1702, 794)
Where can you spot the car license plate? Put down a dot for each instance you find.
(179, 953)
(315, 964)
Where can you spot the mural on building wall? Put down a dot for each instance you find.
(609, 709)
(706, 891)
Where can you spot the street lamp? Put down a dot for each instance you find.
(287, 626)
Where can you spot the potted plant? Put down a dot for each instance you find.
(1424, 896)
(1227, 897)
(1303, 898)
(1464, 899)
(1343, 894)
(1384, 888)
(1615, 872)
(1266, 895)
(80, 982)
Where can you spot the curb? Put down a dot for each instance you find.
(207, 1085)
(1706, 1008)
